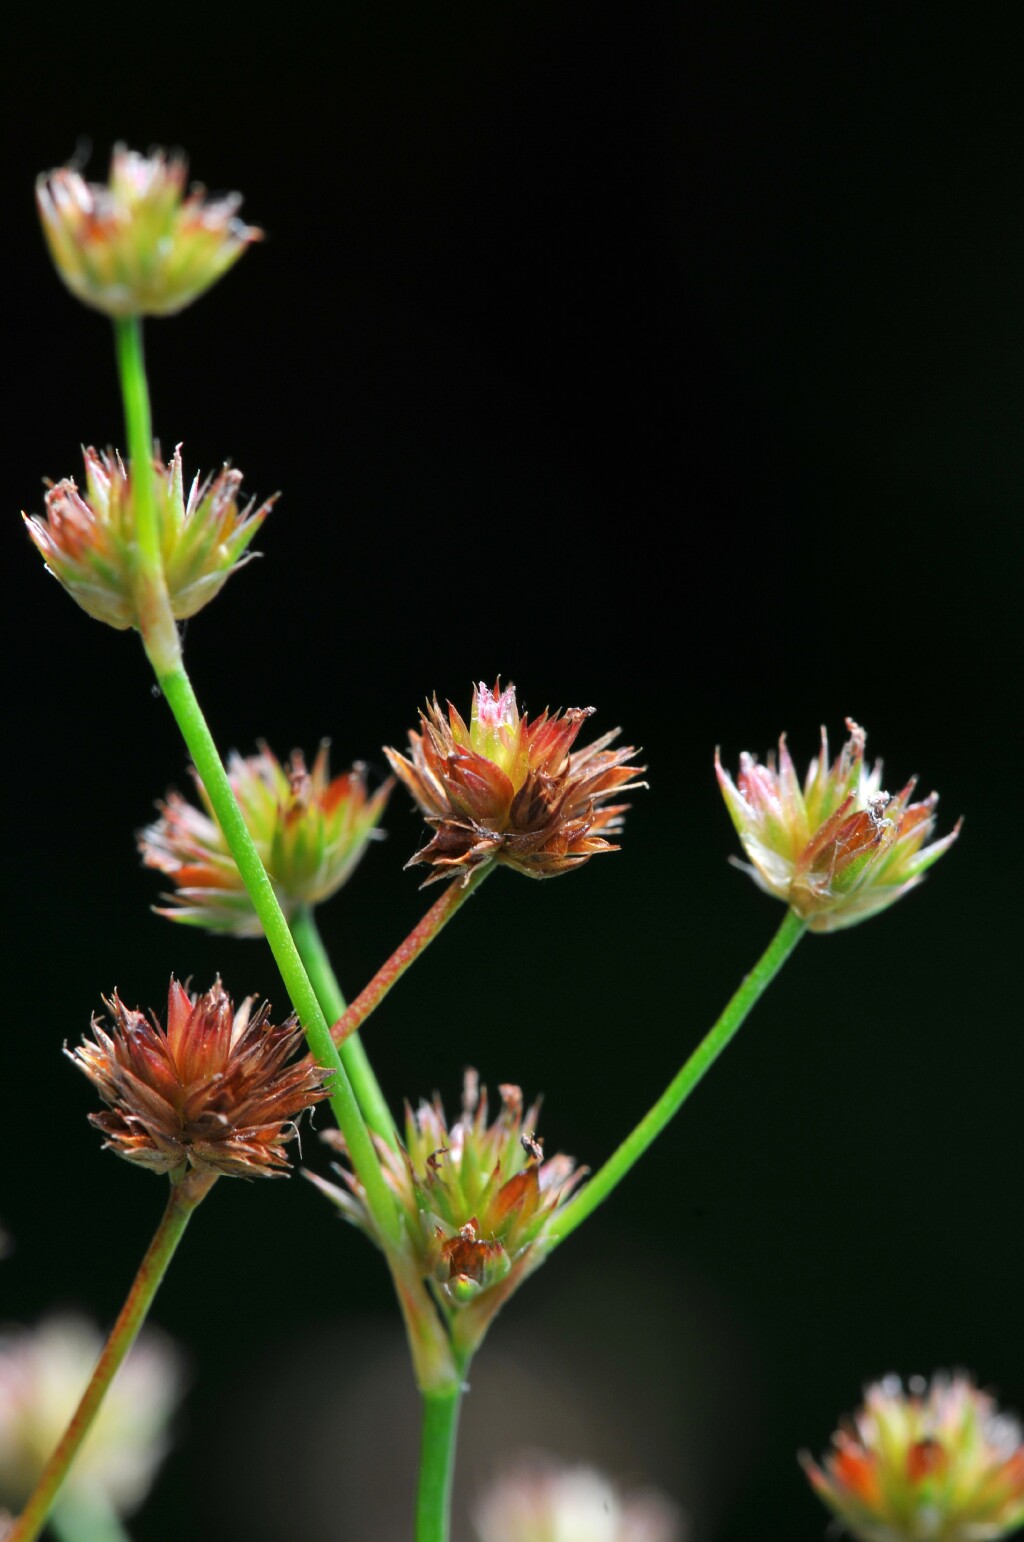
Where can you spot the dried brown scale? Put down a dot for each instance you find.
(214, 1091)
(512, 790)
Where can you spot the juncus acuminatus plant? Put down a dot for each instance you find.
(462, 1209)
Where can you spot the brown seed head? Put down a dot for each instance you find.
(214, 1091)
(511, 790)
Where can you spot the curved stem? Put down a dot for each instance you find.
(390, 972)
(185, 1196)
(437, 1462)
(181, 699)
(354, 1058)
(564, 1222)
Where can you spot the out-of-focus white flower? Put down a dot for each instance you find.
(538, 1501)
(43, 1373)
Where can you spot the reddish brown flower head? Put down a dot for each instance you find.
(216, 1091)
(511, 790)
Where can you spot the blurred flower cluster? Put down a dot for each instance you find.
(935, 1463)
(137, 246)
(43, 1373)
(537, 1500)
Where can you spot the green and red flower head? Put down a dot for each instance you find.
(217, 1091)
(512, 790)
(310, 830)
(89, 542)
(138, 246)
(838, 849)
(937, 1463)
(477, 1196)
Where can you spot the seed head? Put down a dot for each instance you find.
(310, 830)
(477, 1197)
(216, 1091)
(937, 1463)
(138, 246)
(511, 790)
(89, 542)
(841, 848)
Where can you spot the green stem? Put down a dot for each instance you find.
(185, 1196)
(437, 1462)
(422, 934)
(354, 1058)
(181, 699)
(160, 638)
(155, 619)
(564, 1222)
(86, 1518)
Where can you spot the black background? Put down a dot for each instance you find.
(669, 363)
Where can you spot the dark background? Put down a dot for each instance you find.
(669, 363)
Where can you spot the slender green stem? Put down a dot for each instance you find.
(354, 1058)
(131, 365)
(437, 1462)
(564, 1222)
(184, 1198)
(160, 638)
(181, 699)
(86, 1518)
(155, 619)
(390, 972)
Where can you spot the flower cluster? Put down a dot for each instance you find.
(477, 1197)
(538, 1501)
(510, 789)
(89, 542)
(216, 1092)
(138, 246)
(937, 1463)
(43, 1372)
(309, 828)
(840, 848)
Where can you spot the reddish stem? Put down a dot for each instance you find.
(437, 917)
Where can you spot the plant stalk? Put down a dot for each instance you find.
(317, 964)
(437, 1462)
(564, 1222)
(184, 1198)
(181, 698)
(422, 934)
(160, 639)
